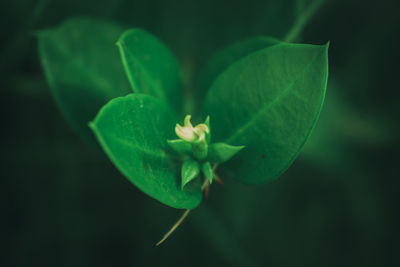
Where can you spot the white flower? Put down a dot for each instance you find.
(189, 133)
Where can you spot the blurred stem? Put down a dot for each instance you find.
(302, 20)
(205, 184)
(20, 42)
(299, 7)
(220, 238)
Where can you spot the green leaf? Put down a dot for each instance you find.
(268, 101)
(83, 68)
(221, 152)
(181, 147)
(133, 130)
(222, 60)
(190, 170)
(207, 171)
(151, 67)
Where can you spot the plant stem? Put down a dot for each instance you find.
(185, 214)
(215, 167)
(173, 228)
(205, 184)
(181, 219)
(302, 20)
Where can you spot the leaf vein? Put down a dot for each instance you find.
(262, 110)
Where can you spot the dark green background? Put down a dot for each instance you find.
(64, 204)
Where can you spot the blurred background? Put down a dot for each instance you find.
(64, 204)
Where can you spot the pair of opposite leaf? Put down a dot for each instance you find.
(261, 93)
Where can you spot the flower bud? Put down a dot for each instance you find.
(191, 134)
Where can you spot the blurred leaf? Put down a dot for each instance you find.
(341, 126)
(222, 60)
(83, 68)
(327, 146)
(133, 130)
(151, 67)
(190, 170)
(268, 101)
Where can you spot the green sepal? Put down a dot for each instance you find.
(221, 152)
(200, 151)
(207, 171)
(181, 147)
(190, 170)
(208, 136)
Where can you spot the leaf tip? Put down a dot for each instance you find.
(327, 44)
(92, 125)
(207, 121)
(120, 43)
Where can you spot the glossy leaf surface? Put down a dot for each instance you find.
(220, 152)
(134, 130)
(151, 67)
(83, 68)
(229, 55)
(181, 147)
(190, 170)
(269, 101)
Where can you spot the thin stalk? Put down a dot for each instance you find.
(302, 20)
(205, 184)
(173, 228)
(185, 214)
(181, 219)
(214, 168)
